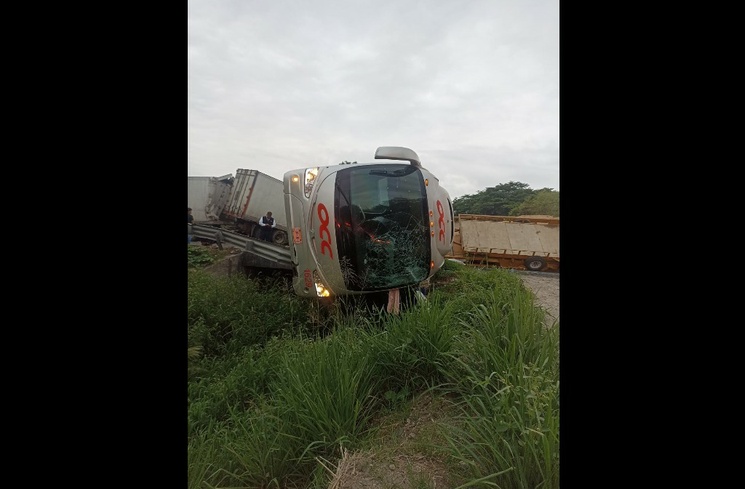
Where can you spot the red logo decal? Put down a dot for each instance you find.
(441, 221)
(323, 215)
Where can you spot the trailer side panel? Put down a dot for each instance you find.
(506, 241)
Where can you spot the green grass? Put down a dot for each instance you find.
(279, 386)
(198, 256)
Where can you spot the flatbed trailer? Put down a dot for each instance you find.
(516, 242)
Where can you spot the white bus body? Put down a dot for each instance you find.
(366, 227)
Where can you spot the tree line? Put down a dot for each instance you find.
(509, 199)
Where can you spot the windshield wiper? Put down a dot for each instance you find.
(405, 171)
(401, 172)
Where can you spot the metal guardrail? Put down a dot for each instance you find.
(262, 249)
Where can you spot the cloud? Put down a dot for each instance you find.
(471, 86)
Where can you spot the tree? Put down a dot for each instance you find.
(544, 202)
(499, 200)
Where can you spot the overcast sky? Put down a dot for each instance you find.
(471, 85)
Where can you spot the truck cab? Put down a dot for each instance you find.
(366, 227)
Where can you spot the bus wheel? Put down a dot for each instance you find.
(535, 263)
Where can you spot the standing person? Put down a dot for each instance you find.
(268, 223)
(189, 221)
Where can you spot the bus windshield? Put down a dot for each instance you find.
(382, 227)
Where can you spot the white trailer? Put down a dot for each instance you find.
(254, 193)
(207, 196)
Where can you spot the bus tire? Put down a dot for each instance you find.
(279, 238)
(535, 263)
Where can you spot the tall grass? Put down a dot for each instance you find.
(505, 370)
(327, 393)
(280, 386)
(411, 350)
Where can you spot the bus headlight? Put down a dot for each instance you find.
(321, 289)
(310, 180)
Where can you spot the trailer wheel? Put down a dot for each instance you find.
(280, 238)
(535, 263)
